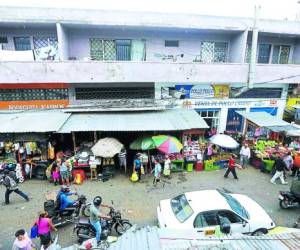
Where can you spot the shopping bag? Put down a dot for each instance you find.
(134, 177)
(142, 170)
(78, 179)
(34, 232)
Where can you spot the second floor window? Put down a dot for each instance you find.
(110, 50)
(264, 51)
(281, 54)
(22, 43)
(213, 52)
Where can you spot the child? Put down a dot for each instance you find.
(55, 175)
(157, 172)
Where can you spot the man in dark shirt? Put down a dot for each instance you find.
(279, 167)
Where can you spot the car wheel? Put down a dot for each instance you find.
(260, 232)
(283, 204)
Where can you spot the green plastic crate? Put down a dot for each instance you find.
(189, 167)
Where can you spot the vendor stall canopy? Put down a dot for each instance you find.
(263, 119)
(168, 120)
(32, 121)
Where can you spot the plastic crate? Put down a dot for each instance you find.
(189, 167)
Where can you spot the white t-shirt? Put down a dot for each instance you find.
(167, 164)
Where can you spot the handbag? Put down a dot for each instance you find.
(34, 232)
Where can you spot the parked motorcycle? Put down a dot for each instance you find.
(85, 230)
(68, 215)
(290, 199)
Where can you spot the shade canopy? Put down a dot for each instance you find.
(224, 141)
(107, 147)
(38, 121)
(167, 144)
(167, 120)
(142, 143)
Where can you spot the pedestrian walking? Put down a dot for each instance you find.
(279, 167)
(245, 155)
(137, 165)
(44, 225)
(11, 184)
(157, 172)
(167, 167)
(209, 151)
(231, 167)
(64, 173)
(22, 241)
(296, 164)
(123, 159)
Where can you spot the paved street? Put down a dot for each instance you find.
(138, 201)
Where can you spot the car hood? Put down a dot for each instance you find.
(166, 217)
(256, 213)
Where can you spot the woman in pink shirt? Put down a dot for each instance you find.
(44, 225)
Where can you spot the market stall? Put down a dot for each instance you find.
(265, 134)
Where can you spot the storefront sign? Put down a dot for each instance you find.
(193, 104)
(202, 91)
(33, 96)
(36, 104)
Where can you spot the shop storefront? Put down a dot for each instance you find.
(218, 103)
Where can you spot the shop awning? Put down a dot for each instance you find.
(294, 132)
(263, 119)
(32, 121)
(167, 120)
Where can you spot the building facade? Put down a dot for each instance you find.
(56, 58)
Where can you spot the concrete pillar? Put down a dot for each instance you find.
(238, 45)
(63, 43)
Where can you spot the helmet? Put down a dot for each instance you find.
(97, 201)
(64, 189)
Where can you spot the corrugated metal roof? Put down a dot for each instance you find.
(168, 120)
(263, 119)
(153, 238)
(32, 121)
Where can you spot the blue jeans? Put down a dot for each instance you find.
(97, 227)
(17, 191)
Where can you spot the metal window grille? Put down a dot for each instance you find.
(33, 94)
(102, 50)
(281, 54)
(114, 93)
(41, 42)
(264, 51)
(22, 43)
(213, 52)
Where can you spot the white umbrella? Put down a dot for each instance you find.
(224, 141)
(107, 147)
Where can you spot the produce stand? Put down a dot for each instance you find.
(177, 165)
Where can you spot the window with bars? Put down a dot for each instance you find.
(214, 52)
(114, 93)
(33, 94)
(264, 51)
(281, 54)
(211, 116)
(42, 42)
(105, 50)
(22, 43)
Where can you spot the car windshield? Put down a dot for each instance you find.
(181, 208)
(235, 205)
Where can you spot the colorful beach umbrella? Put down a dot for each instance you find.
(167, 144)
(142, 143)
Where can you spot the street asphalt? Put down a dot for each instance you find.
(138, 201)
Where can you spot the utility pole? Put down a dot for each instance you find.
(252, 66)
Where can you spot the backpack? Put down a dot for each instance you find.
(12, 184)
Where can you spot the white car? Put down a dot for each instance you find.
(202, 210)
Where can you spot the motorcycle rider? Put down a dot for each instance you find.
(96, 215)
(63, 199)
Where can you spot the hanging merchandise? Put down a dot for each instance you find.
(17, 146)
(28, 148)
(51, 153)
(1, 144)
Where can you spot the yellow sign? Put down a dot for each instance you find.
(221, 91)
(292, 102)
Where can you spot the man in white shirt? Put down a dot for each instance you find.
(244, 155)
